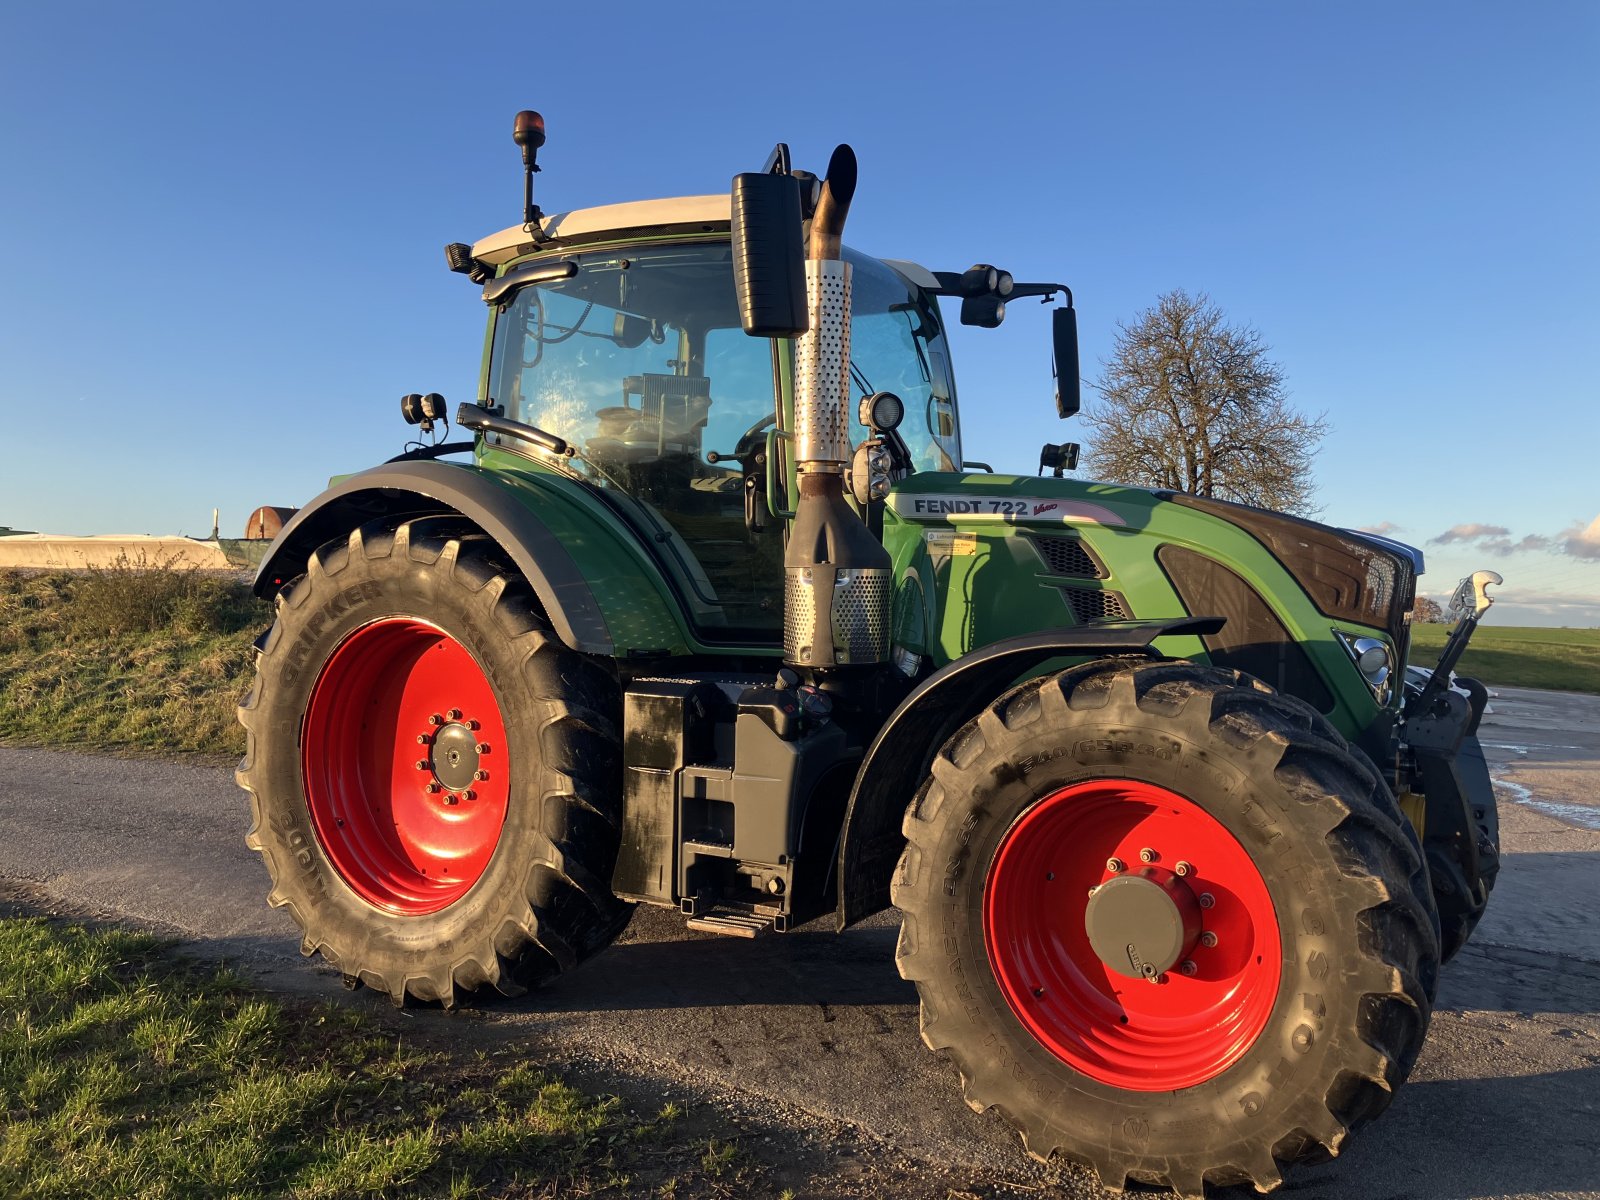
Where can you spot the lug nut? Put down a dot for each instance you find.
(1093, 890)
(1207, 899)
(452, 798)
(436, 719)
(433, 789)
(1147, 855)
(469, 794)
(482, 747)
(472, 725)
(1114, 865)
(480, 776)
(424, 739)
(422, 764)
(1208, 939)
(454, 714)
(1187, 967)
(1181, 868)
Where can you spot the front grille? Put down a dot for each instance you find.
(1347, 577)
(1067, 556)
(1094, 605)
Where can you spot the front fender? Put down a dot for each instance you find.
(600, 591)
(900, 755)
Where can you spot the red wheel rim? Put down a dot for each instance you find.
(1138, 1034)
(403, 755)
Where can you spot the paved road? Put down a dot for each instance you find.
(1505, 1101)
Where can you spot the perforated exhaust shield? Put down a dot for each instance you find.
(822, 367)
(857, 625)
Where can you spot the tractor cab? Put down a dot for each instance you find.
(632, 353)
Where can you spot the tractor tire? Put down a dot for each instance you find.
(435, 779)
(1250, 977)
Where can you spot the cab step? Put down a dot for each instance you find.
(732, 924)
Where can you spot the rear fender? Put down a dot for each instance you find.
(573, 561)
(901, 754)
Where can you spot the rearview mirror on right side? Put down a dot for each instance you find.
(1064, 337)
(769, 273)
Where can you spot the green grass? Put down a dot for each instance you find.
(1511, 656)
(132, 657)
(129, 1071)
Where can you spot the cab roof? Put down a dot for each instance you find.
(686, 214)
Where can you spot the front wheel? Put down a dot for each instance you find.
(435, 779)
(1167, 923)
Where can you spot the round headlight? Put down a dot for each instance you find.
(882, 411)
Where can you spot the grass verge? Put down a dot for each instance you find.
(128, 1071)
(1567, 660)
(131, 657)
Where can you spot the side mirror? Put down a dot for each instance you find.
(769, 272)
(1064, 334)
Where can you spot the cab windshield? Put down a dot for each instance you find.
(639, 362)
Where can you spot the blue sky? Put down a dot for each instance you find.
(221, 227)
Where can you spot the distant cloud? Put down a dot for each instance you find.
(1469, 533)
(1577, 541)
(1519, 606)
(1582, 543)
(1382, 528)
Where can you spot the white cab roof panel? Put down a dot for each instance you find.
(583, 222)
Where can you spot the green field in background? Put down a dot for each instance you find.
(1567, 660)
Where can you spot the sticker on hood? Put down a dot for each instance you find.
(1013, 510)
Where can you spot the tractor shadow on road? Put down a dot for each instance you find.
(1455, 1139)
(659, 966)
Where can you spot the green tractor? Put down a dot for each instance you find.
(716, 618)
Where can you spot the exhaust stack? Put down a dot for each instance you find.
(837, 576)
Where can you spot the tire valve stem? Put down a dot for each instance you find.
(1114, 865)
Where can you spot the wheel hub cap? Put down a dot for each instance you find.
(1142, 925)
(455, 756)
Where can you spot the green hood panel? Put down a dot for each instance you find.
(981, 557)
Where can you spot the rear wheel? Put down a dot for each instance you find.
(1167, 923)
(435, 778)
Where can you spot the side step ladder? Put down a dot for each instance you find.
(733, 924)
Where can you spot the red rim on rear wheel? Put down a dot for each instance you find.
(404, 759)
(1132, 935)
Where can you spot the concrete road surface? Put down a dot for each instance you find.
(1504, 1102)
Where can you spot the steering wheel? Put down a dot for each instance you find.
(747, 445)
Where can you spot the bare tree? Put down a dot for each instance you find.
(1191, 403)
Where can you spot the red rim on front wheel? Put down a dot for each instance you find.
(1132, 935)
(404, 759)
